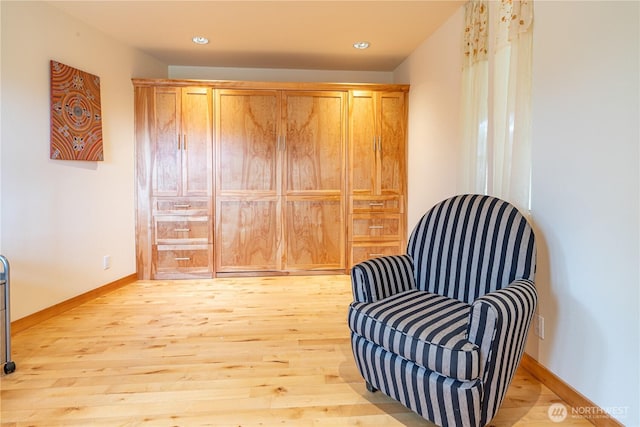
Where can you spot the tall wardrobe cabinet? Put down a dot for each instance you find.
(377, 190)
(267, 178)
(174, 174)
(280, 180)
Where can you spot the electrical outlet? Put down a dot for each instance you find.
(106, 262)
(539, 326)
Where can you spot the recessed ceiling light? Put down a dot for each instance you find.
(200, 40)
(361, 45)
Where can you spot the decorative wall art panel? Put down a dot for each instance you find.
(76, 118)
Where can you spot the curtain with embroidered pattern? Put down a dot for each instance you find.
(496, 116)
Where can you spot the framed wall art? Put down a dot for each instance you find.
(76, 117)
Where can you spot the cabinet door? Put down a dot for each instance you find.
(249, 225)
(249, 235)
(314, 142)
(167, 159)
(196, 144)
(315, 230)
(314, 124)
(391, 150)
(246, 127)
(363, 142)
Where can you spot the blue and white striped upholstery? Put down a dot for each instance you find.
(379, 278)
(467, 246)
(442, 329)
(429, 329)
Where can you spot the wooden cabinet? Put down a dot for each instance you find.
(257, 178)
(377, 178)
(377, 136)
(314, 179)
(280, 187)
(174, 136)
(182, 145)
(248, 159)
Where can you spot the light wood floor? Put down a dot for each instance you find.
(224, 352)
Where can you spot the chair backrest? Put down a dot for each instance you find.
(469, 245)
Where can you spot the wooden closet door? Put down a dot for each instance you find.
(248, 210)
(196, 144)
(363, 142)
(314, 144)
(392, 155)
(167, 153)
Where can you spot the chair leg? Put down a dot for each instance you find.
(371, 388)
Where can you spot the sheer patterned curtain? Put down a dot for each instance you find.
(502, 147)
(475, 90)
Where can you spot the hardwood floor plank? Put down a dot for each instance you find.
(225, 352)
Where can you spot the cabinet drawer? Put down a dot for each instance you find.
(365, 251)
(377, 204)
(182, 206)
(182, 229)
(379, 227)
(183, 259)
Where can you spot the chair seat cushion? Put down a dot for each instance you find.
(426, 328)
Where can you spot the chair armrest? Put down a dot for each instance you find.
(379, 278)
(499, 324)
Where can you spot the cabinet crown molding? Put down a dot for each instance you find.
(236, 84)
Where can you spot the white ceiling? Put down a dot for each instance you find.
(297, 34)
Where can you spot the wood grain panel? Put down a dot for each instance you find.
(364, 251)
(144, 131)
(182, 206)
(314, 141)
(315, 234)
(197, 142)
(376, 226)
(362, 142)
(183, 261)
(364, 204)
(249, 235)
(247, 140)
(392, 143)
(167, 160)
(182, 229)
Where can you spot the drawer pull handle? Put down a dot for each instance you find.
(183, 259)
(372, 255)
(176, 205)
(182, 229)
(376, 204)
(376, 227)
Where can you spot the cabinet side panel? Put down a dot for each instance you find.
(144, 133)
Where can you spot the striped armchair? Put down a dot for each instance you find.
(442, 328)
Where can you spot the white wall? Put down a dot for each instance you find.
(585, 196)
(585, 189)
(60, 217)
(434, 71)
(278, 75)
